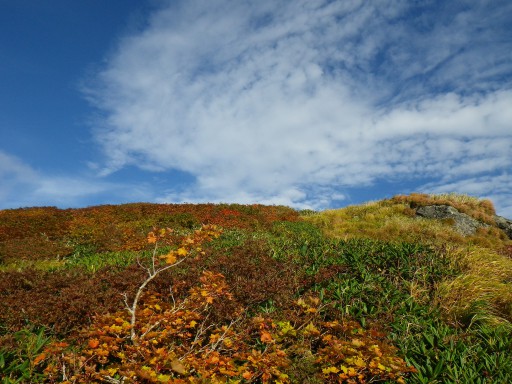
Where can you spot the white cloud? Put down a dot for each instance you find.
(13, 168)
(15, 176)
(293, 102)
(23, 186)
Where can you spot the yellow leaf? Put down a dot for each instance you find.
(214, 337)
(116, 328)
(164, 378)
(311, 329)
(314, 300)
(182, 252)
(178, 367)
(301, 302)
(330, 370)
(286, 329)
(192, 324)
(375, 349)
(170, 258)
(358, 362)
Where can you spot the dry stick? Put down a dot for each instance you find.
(175, 309)
(152, 272)
(113, 380)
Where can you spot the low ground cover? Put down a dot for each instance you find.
(361, 294)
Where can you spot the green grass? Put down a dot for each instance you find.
(16, 365)
(444, 301)
(403, 285)
(93, 261)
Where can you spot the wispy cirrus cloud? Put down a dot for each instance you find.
(15, 176)
(24, 186)
(301, 102)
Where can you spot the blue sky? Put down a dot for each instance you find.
(312, 104)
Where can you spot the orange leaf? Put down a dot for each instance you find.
(39, 358)
(93, 343)
(170, 258)
(247, 375)
(151, 238)
(266, 337)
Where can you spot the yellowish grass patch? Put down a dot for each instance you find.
(483, 291)
(20, 265)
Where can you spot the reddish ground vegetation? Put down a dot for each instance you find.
(48, 232)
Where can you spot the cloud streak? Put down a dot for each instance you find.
(23, 186)
(300, 102)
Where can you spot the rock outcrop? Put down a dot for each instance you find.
(504, 224)
(463, 223)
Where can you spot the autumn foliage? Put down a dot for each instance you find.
(155, 293)
(175, 338)
(39, 233)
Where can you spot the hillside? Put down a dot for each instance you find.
(154, 293)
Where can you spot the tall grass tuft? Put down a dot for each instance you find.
(480, 209)
(481, 293)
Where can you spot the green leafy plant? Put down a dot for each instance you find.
(18, 354)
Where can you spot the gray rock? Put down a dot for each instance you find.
(463, 223)
(504, 224)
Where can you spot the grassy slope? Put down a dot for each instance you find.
(443, 300)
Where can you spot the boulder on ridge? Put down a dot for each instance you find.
(504, 224)
(463, 223)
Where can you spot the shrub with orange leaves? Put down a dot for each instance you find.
(49, 232)
(176, 343)
(338, 351)
(160, 339)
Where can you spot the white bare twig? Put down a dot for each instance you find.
(113, 380)
(153, 272)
